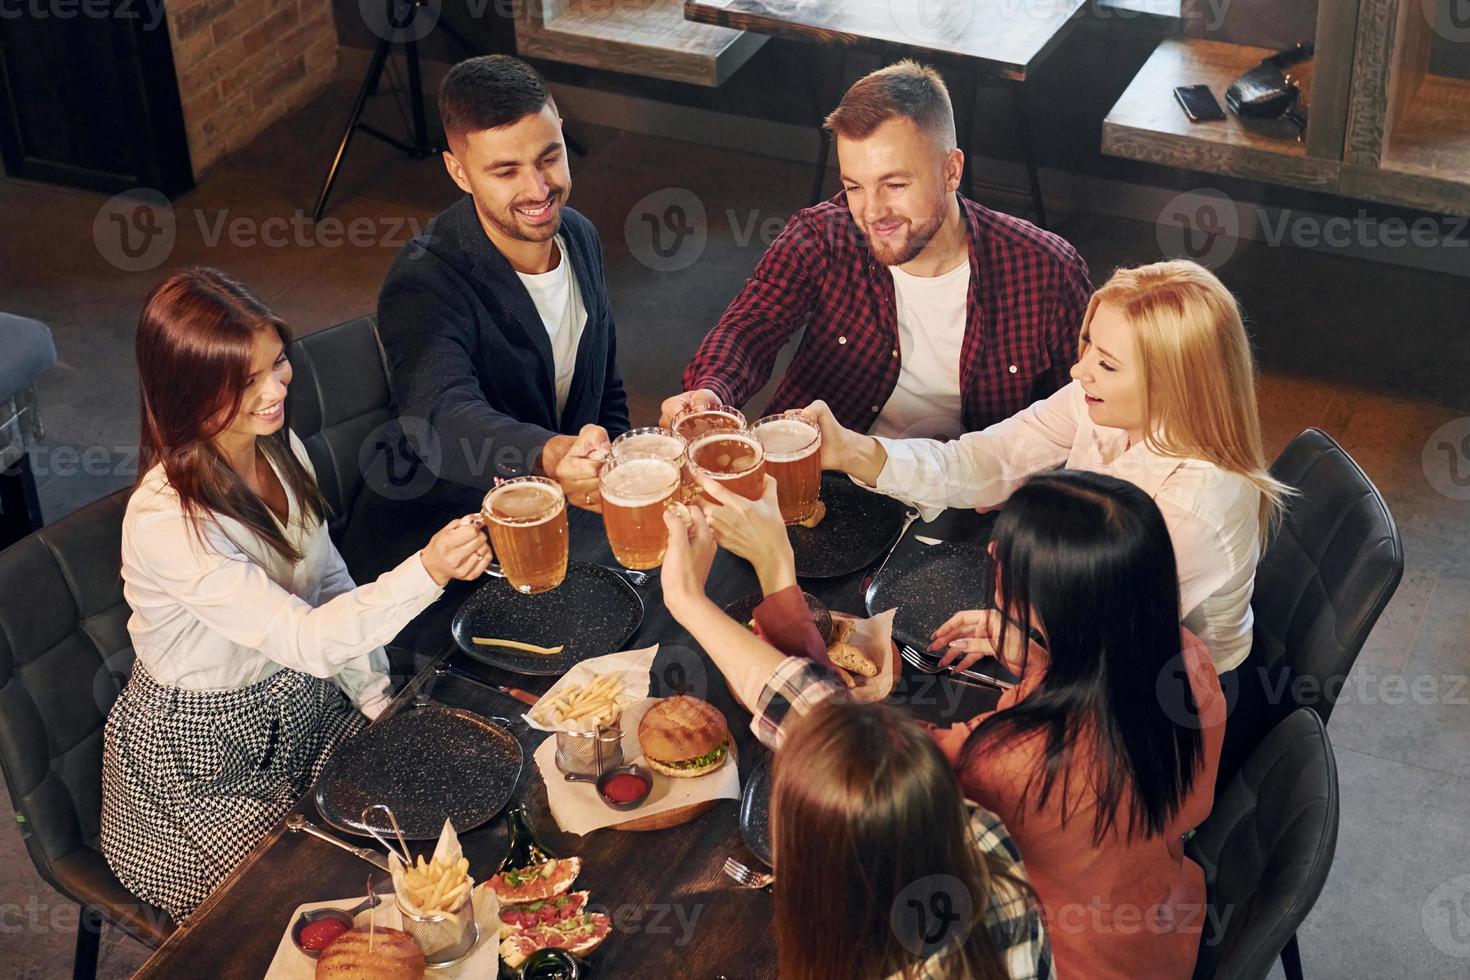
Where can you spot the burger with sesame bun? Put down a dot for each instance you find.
(684, 737)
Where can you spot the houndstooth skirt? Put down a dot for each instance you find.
(192, 780)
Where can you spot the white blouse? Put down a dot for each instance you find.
(1213, 516)
(231, 612)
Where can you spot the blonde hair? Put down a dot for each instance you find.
(1199, 376)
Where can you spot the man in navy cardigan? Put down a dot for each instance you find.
(496, 321)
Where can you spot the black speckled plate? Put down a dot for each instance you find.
(927, 584)
(594, 612)
(755, 810)
(427, 764)
(859, 528)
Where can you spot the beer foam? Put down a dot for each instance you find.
(787, 440)
(635, 482)
(519, 503)
(652, 443)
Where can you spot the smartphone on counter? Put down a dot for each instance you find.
(1199, 103)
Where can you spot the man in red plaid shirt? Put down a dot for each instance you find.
(925, 314)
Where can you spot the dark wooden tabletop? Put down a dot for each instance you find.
(674, 913)
(1001, 38)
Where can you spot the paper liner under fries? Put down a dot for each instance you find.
(447, 932)
(630, 667)
(874, 637)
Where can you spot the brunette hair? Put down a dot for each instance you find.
(1085, 560)
(906, 89)
(196, 336)
(863, 805)
(489, 92)
(1199, 377)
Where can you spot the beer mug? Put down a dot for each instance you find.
(793, 446)
(656, 441)
(635, 489)
(736, 459)
(692, 423)
(527, 518)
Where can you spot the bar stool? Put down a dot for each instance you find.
(28, 352)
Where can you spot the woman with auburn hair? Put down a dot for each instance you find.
(885, 871)
(1163, 395)
(1102, 757)
(256, 654)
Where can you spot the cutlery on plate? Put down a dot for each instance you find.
(930, 665)
(296, 823)
(635, 578)
(745, 877)
(525, 697)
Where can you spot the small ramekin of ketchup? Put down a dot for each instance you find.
(319, 934)
(626, 787)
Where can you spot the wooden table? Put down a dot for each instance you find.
(674, 913)
(996, 40)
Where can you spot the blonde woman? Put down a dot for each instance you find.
(1162, 395)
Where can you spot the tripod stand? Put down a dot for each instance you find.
(420, 147)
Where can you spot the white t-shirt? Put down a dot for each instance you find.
(926, 401)
(563, 314)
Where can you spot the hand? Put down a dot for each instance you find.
(752, 529)
(969, 636)
(701, 398)
(578, 469)
(844, 450)
(691, 551)
(459, 550)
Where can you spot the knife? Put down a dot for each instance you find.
(296, 823)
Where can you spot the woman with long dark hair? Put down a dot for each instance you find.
(1105, 753)
(885, 871)
(256, 654)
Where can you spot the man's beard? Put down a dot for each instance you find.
(913, 243)
(508, 222)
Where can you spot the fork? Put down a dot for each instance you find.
(969, 678)
(747, 878)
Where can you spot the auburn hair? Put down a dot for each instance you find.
(1199, 375)
(196, 337)
(905, 89)
(864, 805)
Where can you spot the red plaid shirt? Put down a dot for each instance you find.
(1028, 292)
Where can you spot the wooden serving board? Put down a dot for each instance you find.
(682, 815)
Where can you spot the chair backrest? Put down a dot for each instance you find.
(338, 396)
(1267, 848)
(64, 655)
(1324, 579)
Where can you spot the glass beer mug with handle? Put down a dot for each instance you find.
(527, 519)
(793, 447)
(636, 487)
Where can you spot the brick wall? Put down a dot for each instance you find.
(242, 64)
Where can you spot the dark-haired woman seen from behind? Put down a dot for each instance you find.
(884, 869)
(1105, 753)
(247, 628)
(891, 873)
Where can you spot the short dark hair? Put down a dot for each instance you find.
(906, 89)
(489, 92)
